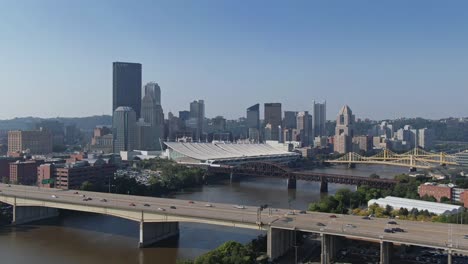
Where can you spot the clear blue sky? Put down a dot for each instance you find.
(386, 59)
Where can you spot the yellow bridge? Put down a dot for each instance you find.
(415, 159)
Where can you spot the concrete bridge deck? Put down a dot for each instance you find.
(434, 235)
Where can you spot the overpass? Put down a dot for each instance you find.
(278, 170)
(159, 221)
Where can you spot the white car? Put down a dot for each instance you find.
(208, 205)
(239, 207)
(54, 196)
(161, 209)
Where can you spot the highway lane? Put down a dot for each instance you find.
(433, 234)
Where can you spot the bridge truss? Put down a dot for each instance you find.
(415, 158)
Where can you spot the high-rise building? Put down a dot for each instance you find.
(144, 135)
(320, 118)
(426, 138)
(33, 142)
(197, 118)
(152, 113)
(102, 140)
(253, 122)
(56, 128)
(304, 126)
(273, 117)
(127, 86)
(124, 126)
(344, 131)
(289, 120)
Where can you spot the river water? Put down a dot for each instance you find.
(76, 237)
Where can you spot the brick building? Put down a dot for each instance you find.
(438, 191)
(35, 142)
(24, 172)
(72, 175)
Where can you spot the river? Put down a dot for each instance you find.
(76, 237)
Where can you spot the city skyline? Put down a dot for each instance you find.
(410, 56)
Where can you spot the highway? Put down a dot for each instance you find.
(435, 235)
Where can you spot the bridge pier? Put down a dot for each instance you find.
(351, 165)
(151, 233)
(26, 214)
(323, 185)
(329, 248)
(279, 241)
(386, 249)
(292, 183)
(449, 257)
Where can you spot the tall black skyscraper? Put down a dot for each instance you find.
(127, 86)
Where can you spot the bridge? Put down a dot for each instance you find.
(281, 171)
(159, 219)
(414, 159)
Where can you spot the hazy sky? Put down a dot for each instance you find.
(385, 59)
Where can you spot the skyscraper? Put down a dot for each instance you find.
(304, 125)
(320, 118)
(126, 82)
(152, 113)
(197, 118)
(273, 117)
(253, 122)
(289, 120)
(124, 126)
(344, 131)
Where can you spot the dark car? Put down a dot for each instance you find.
(397, 229)
(147, 205)
(172, 207)
(332, 216)
(132, 204)
(302, 212)
(388, 230)
(366, 218)
(320, 224)
(392, 223)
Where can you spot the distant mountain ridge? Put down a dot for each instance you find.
(84, 123)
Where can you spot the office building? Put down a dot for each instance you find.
(362, 143)
(425, 138)
(320, 118)
(152, 113)
(56, 128)
(126, 82)
(289, 119)
(273, 118)
(304, 125)
(102, 140)
(197, 119)
(344, 131)
(31, 142)
(144, 136)
(253, 123)
(124, 129)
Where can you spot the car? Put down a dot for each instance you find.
(290, 213)
(388, 230)
(75, 193)
(392, 223)
(332, 216)
(161, 209)
(208, 205)
(397, 229)
(465, 236)
(147, 205)
(320, 224)
(366, 218)
(173, 207)
(103, 200)
(83, 195)
(191, 202)
(89, 198)
(132, 204)
(302, 212)
(350, 226)
(239, 206)
(85, 199)
(54, 196)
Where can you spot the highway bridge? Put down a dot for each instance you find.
(159, 219)
(278, 170)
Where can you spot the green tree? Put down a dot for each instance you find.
(374, 176)
(445, 199)
(87, 186)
